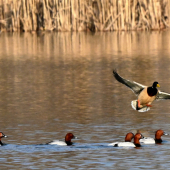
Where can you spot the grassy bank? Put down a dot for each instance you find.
(83, 15)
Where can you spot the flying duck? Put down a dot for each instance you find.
(146, 95)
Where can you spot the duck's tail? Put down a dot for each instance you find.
(135, 107)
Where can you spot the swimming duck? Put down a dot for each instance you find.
(68, 138)
(128, 142)
(158, 134)
(146, 95)
(129, 136)
(2, 136)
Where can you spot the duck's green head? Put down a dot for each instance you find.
(155, 84)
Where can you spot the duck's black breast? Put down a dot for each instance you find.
(1, 143)
(152, 91)
(158, 140)
(137, 145)
(68, 143)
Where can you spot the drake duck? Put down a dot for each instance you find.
(2, 135)
(136, 143)
(129, 136)
(157, 140)
(146, 95)
(68, 142)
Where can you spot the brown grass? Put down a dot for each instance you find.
(83, 15)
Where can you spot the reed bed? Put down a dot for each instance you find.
(83, 15)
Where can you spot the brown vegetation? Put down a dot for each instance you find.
(80, 15)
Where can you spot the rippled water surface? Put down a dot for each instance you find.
(54, 83)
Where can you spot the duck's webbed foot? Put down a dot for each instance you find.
(148, 105)
(138, 105)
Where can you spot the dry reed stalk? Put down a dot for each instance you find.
(81, 15)
(133, 25)
(33, 13)
(77, 14)
(106, 10)
(122, 23)
(103, 12)
(166, 13)
(62, 19)
(57, 21)
(13, 16)
(115, 26)
(155, 13)
(143, 23)
(150, 8)
(111, 19)
(158, 16)
(45, 15)
(99, 15)
(23, 20)
(73, 2)
(25, 16)
(119, 12)
(168, 10)
(127, 15)
(67, 15)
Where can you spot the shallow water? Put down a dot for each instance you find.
(54, 83)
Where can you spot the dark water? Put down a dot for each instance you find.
(55, 83)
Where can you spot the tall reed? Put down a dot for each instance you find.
(80, 15)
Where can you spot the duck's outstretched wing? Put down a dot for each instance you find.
(134, 86)
(162, 96)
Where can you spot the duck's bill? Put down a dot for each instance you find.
(75, 137)
(158, 85)
(4, 136)
(166, 133)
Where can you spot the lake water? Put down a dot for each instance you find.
(55, 83)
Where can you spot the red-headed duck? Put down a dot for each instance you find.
(68, 138)
(129, 136)
(137, 137)
(2, 136)
(128, 142)
(158, 134)
(146, 95)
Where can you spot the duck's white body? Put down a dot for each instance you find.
(57, 142)
(147, 140)
(122, 144)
